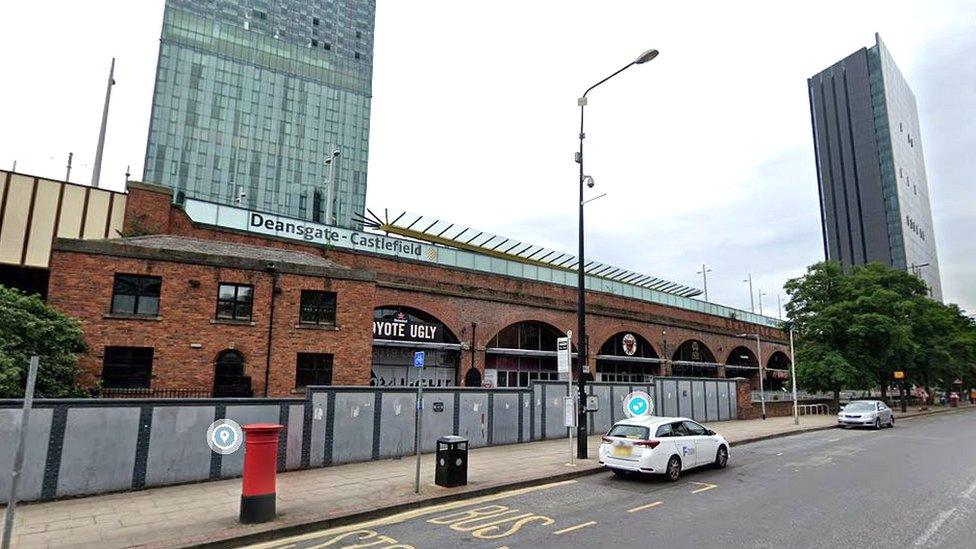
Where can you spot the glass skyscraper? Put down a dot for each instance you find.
(253, 96)
(874, 195)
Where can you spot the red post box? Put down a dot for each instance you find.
(260, 467)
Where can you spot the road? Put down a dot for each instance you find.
(911, 486)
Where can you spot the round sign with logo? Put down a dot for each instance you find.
(225, 436)
(638, 404)
(629, 344)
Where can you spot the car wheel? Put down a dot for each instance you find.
(877, 424)
(721, 457)
(891, 424)
(673, 472)
(618, 473)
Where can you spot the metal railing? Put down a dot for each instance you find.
(786, 396)
(813, 409)
(155, 393)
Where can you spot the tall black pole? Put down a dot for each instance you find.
(581, 308)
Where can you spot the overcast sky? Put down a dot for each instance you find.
(705, 154)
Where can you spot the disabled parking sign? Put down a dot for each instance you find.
(638, 404)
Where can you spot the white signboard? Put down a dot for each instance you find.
(569, 411)
(563, 351)
(314, 233)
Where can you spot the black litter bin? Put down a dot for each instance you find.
(452, 462)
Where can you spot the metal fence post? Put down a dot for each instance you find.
(8, 519)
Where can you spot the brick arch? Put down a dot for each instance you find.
(596, 348)
(782, 360)
(453, 334)
(690, 342)
(735, 354)
(527, 320)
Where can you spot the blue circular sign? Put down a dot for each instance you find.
(638, 404)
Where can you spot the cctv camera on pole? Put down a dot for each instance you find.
(331, 184)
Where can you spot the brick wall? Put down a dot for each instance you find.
(457, 297)
(81, 286)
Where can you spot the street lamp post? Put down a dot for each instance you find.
(762, 386)
(704, 272)
(761, 294)
(752, 298)
(581, 300)
(796, 407)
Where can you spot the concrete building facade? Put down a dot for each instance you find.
(874, 194)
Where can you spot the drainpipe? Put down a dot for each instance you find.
(273, 271)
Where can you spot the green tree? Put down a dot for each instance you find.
(825, 370)
(857, 322)
(29, 326)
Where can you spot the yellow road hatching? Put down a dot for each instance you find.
(398, 518)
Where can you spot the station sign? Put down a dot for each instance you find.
(563, 351)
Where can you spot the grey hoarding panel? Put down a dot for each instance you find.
(353, 429)
(669, 395)
(658, 399)
(296, 422)
(505, 422)
(474, 418)
(722, 394)
(601, 418)
(178, 450)
(437, 424)
(320, 407)
(698, 402)
(684, 398)
(555, 393)
(537, 411)
(99, 450)
(733, 401)
(711, 398)
(526, 416)
(35, 452)
(397, 424)
(233, 464)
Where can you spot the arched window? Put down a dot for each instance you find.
(741, 363)
(627, 358)
(522, 352)
(694, 359)
(229, 378)
(399, 332)
(777, 371)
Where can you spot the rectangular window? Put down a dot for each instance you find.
(136, 295)
(313, 369)
(127, 367)
(234, 301)
(318, 307)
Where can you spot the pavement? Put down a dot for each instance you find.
(206, 513)
(910, 486)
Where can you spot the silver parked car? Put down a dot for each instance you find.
(866, 413)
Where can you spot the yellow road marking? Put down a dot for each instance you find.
(573, 528)
(642, 507)
(408, 515)
(706, 487)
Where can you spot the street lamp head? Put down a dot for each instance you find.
(646, 56)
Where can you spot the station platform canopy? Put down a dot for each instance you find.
(453, 235)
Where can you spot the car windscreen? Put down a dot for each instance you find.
(860, 407)
(635, 432)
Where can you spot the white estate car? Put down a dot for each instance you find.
(661, 445)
